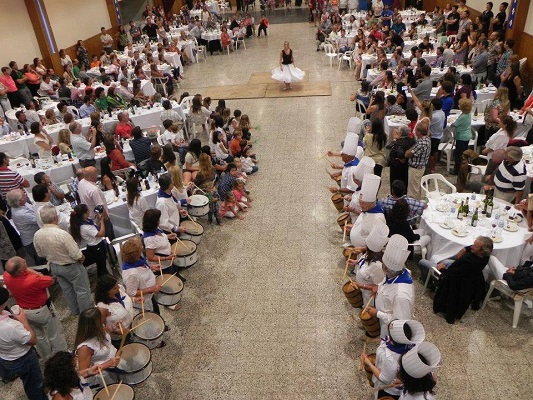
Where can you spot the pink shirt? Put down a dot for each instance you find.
(9, 83)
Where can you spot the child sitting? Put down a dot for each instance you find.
(243, 199)
(212, 195)
(230, 208)
(263, 25)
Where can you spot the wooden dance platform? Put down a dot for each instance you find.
(261, 85)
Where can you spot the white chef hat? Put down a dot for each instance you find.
(366, 166)
(378, 237)
(397, 331)
(417, 367)
(396, 253)
(370, 187)
(350, 144)
(354, 125)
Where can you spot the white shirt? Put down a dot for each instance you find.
(159, 244)
(88, 235)
(13, 338)
(56, 245)
(136, 212)
(170, 216)
(388, 363)
(498, 141)
(363, 225)
(91, 196)
(394, 301)
(25, 221)
(44, 88)
(82, 147)
(63, 223)
(138, 279)
(118, 312)
(369, 274)
(167, 137)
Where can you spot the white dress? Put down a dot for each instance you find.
(138, 279)
(119, 312)
(101, 354)
(290, 73)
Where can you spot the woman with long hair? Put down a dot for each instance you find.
(191, 166)
(116, 156)
(374, 144)
(464, 90)
(42, 140)
(207, 172)
(179, 191)
(401, 142)
(113, 301)
(511, 79)
(494, 112)
(33, 79)
(90, 234)
(287, 71)
(94, 348)
(376, 108)
(82, 55)
(62, 381)
(168, 157)
(63, 141)
(137, 204)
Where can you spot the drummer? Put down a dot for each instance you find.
(94, 348)
(171, 208)
(403, 335)
(368, 269)
(157, 243)
(62, 381)
(137, 274)
(365, 166)
(371, 211)
(116, 307)
(350, 155)
(395, 295)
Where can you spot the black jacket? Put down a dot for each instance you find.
(522, 277)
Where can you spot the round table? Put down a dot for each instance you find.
(444, 243)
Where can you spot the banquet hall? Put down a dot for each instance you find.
(263, 315)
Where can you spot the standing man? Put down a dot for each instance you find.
(66, 261)
(503, 63)
(29, 289)
(493, 50)
(17, 355)
(498, 23)
(84, 148)
(418, 156)
(452, 22)
(150, 30)
(135, 33)
(9, 180)
(480, 62)
(107, 41)
(486, 18)
(20, 80)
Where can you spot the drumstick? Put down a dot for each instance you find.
(160, 267)
(367, 304)
(103, 380)
(142, 303)
(169, 278)
(116, 390)
(198, 188)
(139, 324)
(182, 243)
(386, 387)
(362, 366)
(344, 234)
(346, 268)
(119, 352)
(193, 220)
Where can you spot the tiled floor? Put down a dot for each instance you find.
(263, 314)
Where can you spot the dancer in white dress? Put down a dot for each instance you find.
(287, 72)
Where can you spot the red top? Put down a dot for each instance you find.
(117, 160)
(235, 146)
(123, 130)
(28, 289)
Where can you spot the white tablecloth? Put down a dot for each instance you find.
(211, 35)
(118, 211)
(445, 244)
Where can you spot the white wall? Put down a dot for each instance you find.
(18, 38)
(529, 21)
(75, 19)
(479, 5)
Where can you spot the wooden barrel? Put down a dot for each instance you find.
(338, 201)
(338, 180)
(353, 295)
(370, 323)
(342, 219)
(372, 358)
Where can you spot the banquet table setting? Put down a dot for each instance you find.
(506, 227)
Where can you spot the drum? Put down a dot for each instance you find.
(170, 293)
(136, 363)
(199, 205)
(186, 255)
(194, 231)
(369, 374)
(353, 295)
(347, 251)
(150, 333)
(338, 180)
(123, 392)
(370, 323)
(343, 219)
(338, 201)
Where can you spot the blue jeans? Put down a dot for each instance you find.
(426, 265)
(28, 370)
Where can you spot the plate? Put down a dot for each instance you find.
(509, 229)
(518, 218)
(442, 208)
(496, 239)
(444, 225)
(459, 234)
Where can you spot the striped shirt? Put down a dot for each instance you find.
(9, 180)
(509, 178)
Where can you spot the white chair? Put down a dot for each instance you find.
(227, 47)
(452, 38)
(160, 85)
(19, 162)
(347, 56)
(74, 111)
(473, 142)
(446, 149)
(419, 248)
(485, 104)
(136, 228)
(521, 64)
(518, 296)
(195, 124)
(432, 273)
(360, 109)
(239, 42)
(186, 103)
(117, 244)
(434, 180)
(200, 49)
(477, 170)
(330, 53)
